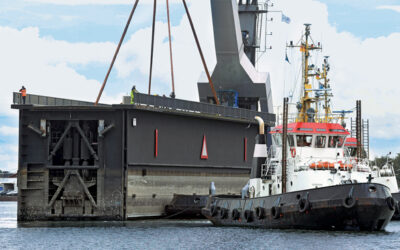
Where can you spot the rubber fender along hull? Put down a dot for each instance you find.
(396, 197)
(354, 207)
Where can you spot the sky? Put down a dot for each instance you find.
(63, 48)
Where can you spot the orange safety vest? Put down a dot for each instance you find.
(23, 92)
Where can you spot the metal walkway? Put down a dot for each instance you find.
(48, 101)
(163, 102)
(156, 103)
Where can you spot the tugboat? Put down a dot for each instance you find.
(304, 181)
(308, 199)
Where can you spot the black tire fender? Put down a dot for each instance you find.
(391, 203)
(214, 210)
(260, 212)
(304, 205)
(235, 214)
(275, 212)
(248, 215)
(349, 202)
(223, 213)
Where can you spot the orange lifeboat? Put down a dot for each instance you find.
(322, 165)
(345, 166)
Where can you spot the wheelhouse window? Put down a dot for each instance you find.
(336, 141)
(304, 140)
(320, 141)
(332, 141)
(341, 141)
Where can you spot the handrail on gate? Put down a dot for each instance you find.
(33, 99)
(199, 107)
(156, 102)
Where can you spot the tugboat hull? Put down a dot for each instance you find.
(360, 207)
(396, 197)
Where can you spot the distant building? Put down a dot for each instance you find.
(8, 184)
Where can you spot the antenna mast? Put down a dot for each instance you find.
(306, 112)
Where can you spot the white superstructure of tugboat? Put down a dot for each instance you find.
(304, 180)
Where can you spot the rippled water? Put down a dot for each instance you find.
(177, 234)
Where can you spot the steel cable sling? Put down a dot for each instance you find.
(152, 51)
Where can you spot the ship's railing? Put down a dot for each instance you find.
(48, 101)
(268, 170)
(162, 102)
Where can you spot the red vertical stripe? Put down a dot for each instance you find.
(156, 143)
(245, 149)
(204, 151)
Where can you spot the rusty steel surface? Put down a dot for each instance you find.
(359, 135)
(170, 49)
(284, 144)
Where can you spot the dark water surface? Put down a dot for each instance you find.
(177, 234)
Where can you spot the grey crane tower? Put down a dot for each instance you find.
(236, 35)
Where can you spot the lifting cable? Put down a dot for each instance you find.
(116, 52)
(152, 51)
(152, 44)
(170, 53)
(201, 53)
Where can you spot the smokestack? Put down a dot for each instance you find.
(260, 151)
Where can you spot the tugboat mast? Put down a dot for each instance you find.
(324, 76)
(306, 112)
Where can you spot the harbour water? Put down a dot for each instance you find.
(177, 234)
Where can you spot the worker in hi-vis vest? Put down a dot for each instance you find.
(23, 94)
(133, 91)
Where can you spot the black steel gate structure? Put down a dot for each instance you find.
(116, 162)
